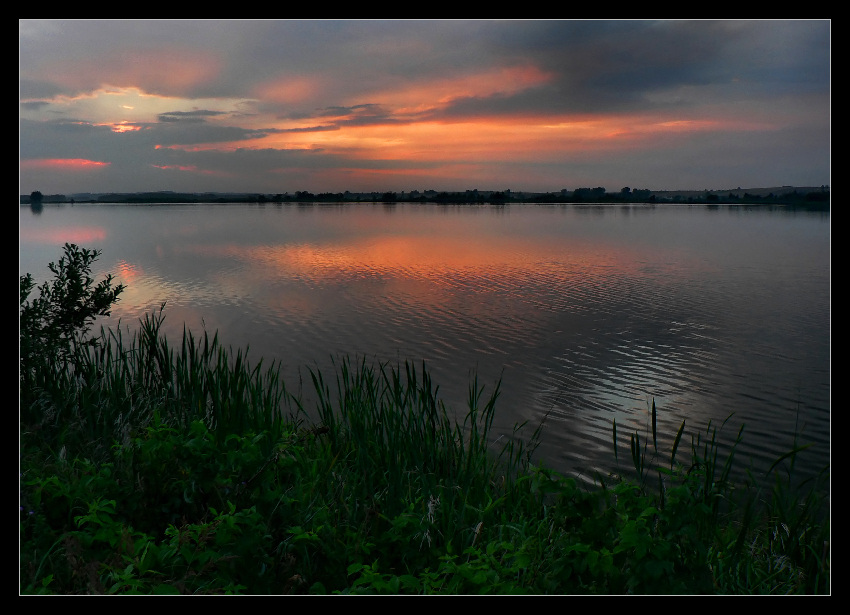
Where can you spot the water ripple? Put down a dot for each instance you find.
(585, 314)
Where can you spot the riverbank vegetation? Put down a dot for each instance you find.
(153, 468)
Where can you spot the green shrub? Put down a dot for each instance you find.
(53, 323)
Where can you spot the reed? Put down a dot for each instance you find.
(116, 387)
(763, 535)
(387, 430)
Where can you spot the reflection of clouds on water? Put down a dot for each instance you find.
(81, 235)
(585, 313)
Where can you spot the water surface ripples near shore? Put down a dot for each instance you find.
(585, 313)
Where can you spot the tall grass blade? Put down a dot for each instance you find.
(654, 432)
(616, 460)
(676, 444)
(790, 453)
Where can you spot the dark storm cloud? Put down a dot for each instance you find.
(595, 65)
(618, 66)
(196, 133)
(63, 139)
(32, 88)
(34, 105)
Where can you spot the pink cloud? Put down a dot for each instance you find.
(71, 164)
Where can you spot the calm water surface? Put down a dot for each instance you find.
(585, 312)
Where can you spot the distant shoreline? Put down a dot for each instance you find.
(817, 198)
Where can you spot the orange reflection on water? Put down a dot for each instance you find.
(407, 256)
(432, 257)
(127, 273)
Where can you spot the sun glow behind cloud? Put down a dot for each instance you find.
(119, 107)
(122, 126)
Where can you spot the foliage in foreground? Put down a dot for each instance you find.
(151, 469)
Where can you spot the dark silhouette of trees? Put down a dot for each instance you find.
(811, 199)
(818, 196)
(589, 194)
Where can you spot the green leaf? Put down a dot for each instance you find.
(522, 560)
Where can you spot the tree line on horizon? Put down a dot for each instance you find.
(818, 200)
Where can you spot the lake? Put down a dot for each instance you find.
(585, 312)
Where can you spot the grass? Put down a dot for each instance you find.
(153, 469)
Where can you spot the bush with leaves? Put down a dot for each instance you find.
(56, 322)
(61, 316)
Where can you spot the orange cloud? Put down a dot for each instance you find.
(444, 144)
(485, 139)
(289, 90)
(506, 139)
(420, 96)
(71, 164)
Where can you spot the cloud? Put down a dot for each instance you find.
(492, 98)
(187, 116)
(63, 163)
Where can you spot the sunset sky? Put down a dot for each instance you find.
(371, 105)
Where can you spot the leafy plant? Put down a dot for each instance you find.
(61, 316)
